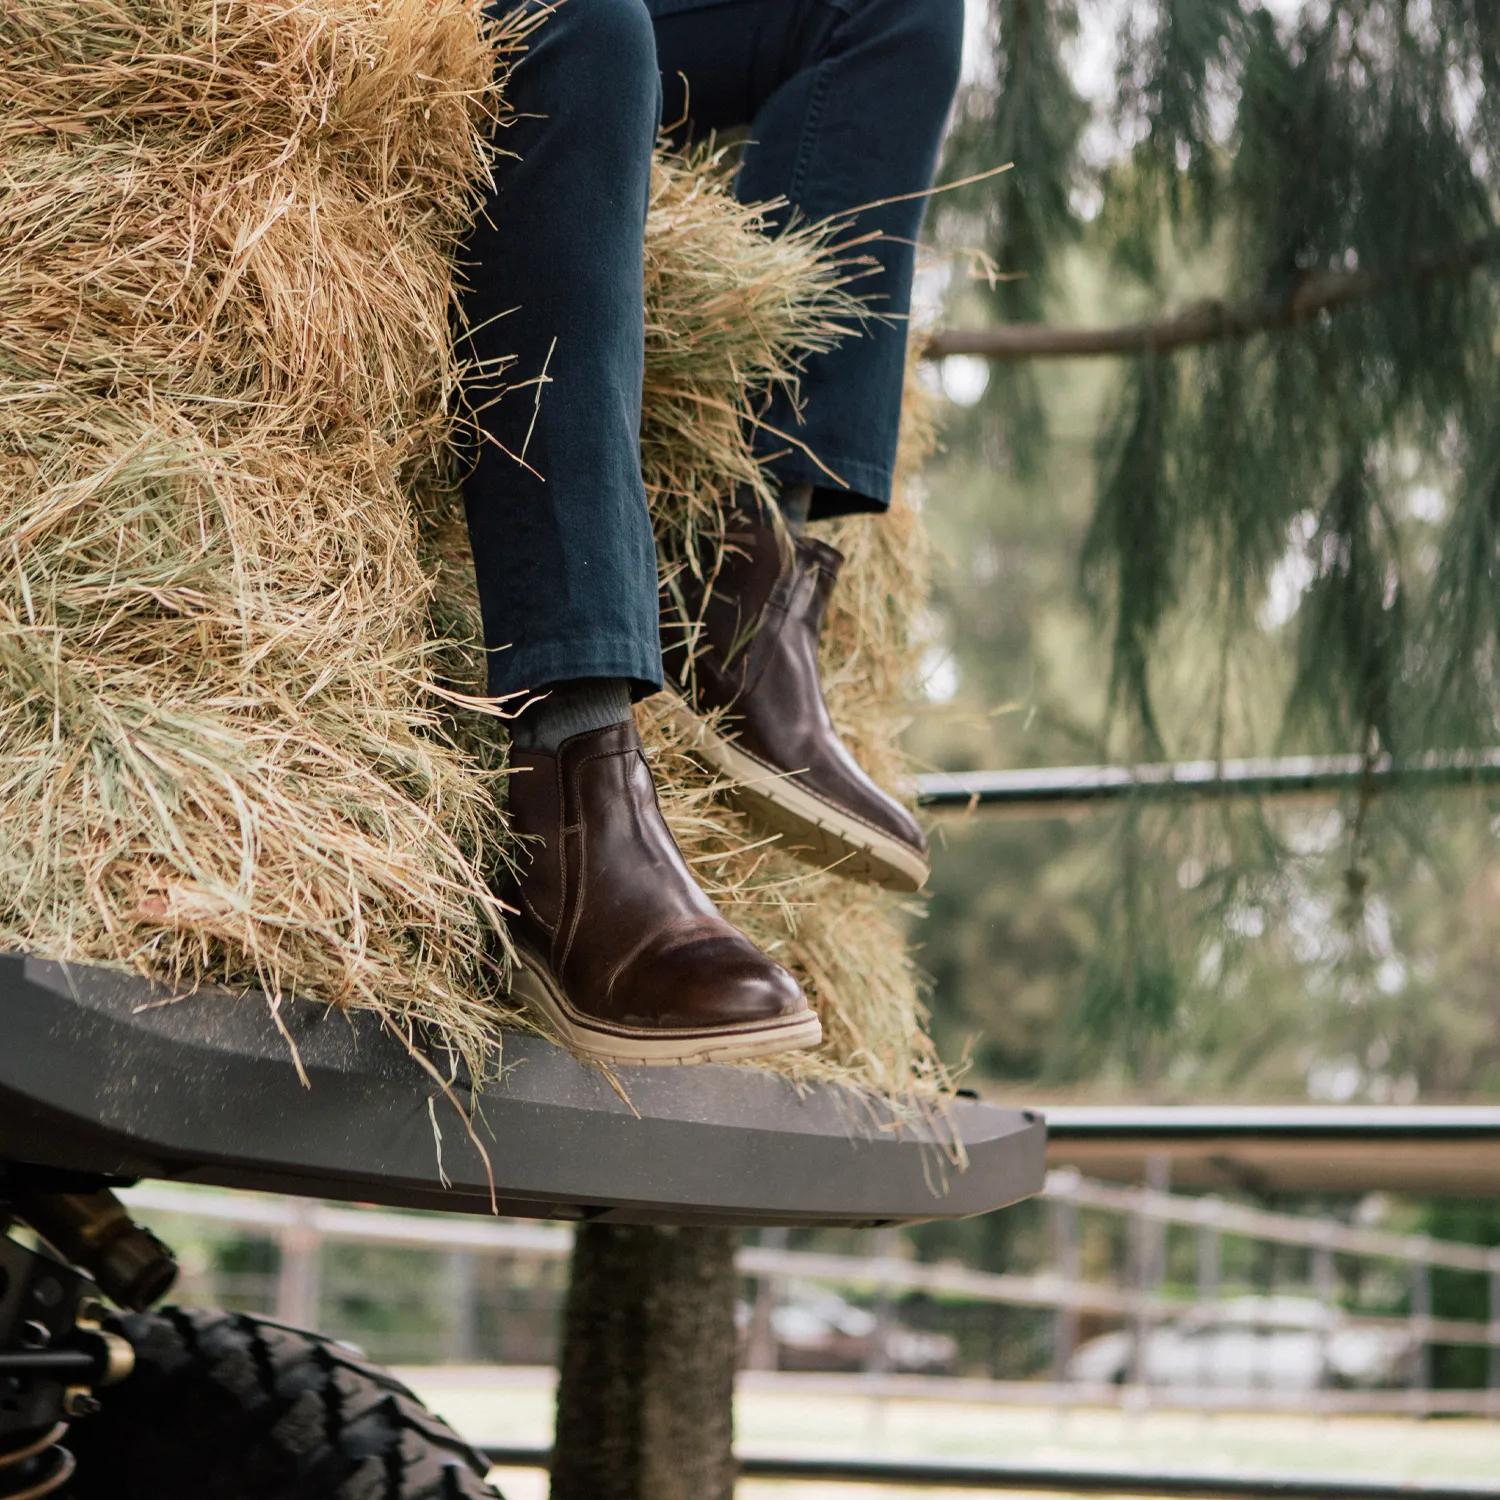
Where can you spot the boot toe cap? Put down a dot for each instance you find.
(709, 982)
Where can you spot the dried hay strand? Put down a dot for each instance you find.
(731, 310)
(847, 943)
(236, 603)
(393, 94)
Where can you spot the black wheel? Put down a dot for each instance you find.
(234, 1407)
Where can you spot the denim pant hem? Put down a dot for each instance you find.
(865, 487)
(528, 668)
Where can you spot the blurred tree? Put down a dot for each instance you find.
(1457, 1294)
(1026, 113)
(1346, 161)
(1282, 224)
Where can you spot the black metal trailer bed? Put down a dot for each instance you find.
(101, 1074)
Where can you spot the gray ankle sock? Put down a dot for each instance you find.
(795, 501)
(571, 708)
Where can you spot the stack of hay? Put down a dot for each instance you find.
(233, 577)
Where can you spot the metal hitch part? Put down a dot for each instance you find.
(53, 1353)
(132, 1267)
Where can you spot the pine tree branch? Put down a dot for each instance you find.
(1205, 323)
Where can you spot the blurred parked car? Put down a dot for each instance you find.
(816, 1329)
(1247, 1343)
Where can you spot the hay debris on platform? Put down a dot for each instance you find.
(234, 577)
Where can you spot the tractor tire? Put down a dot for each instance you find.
(225, 1406)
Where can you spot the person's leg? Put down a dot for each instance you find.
(616, 944)
(556, 507)
(846, 101)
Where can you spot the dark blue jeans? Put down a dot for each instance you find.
(846, 102)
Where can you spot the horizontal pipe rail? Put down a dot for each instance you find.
(995, 1478)
(376, 1227)
(1053, 1290)
(1103, 1395)
(1054, 789)
(1044, 1290)
(1261, 1224)
(1433, 1125)
(354, 1225)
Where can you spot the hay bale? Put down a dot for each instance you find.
(236, 598)
(224, 364)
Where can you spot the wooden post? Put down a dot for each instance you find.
(1066, 1256)
(299, 1279)
(1210, 1277)
(1149, 1245)
(1494, 1323)
(1325, 1284)
(761, 1354)
(878, 1361)
(645, 1397)
(1421, 1314)
(463, 1307)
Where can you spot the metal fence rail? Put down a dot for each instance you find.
(1423, 1150)
(438, 1231)
(996, 1478)
(1140, 1299)
(1050, 790)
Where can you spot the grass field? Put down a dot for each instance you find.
(787, 1416)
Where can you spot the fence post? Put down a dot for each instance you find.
(1150, 1238)
(878, 1361)
(1210, 1274)
(1421, 1313)
(761, 1352)
(1065, 1318)
(298, 1277)
(1210, 1260)
(1494, 1327)
(1325, 1288)
(1135, 1242)
(463, 1307)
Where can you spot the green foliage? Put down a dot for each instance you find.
(1463, 641)
(1127, 557)
(1461, 1294)
(1347, 158)
(1170, 71)
(1030, 117)
(1291, 544)
(1354, 156)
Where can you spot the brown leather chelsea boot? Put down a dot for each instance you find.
(754, 654)
(620, 950)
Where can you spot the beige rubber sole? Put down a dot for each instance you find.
(812, 830)
(657, 1047)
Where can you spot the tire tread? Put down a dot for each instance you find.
(245, 1408)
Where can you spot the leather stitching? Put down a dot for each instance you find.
(536, 918)
(529, 908)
